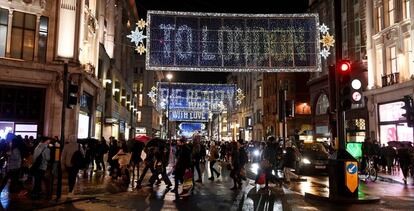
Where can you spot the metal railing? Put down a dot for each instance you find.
(390, 79)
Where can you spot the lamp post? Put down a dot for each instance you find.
(169, 77)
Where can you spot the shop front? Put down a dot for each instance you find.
(21, 110)
(392, 125)
(85, 116)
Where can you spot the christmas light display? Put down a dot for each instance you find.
(327, 41)
(184, 41)
(137, 37)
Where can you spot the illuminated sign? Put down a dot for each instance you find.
(188, 41)
(391, 111)
(186, 115)
(5, 128)
(188, 129)
(351, 175)
(198, 97)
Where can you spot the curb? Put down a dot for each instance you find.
(342, 200)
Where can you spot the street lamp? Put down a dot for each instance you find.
(169, 76)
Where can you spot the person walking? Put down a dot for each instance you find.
(101, 149)
(235, 166)
(39, 171)
(289, 162)
(14, 162)
(404, 160)
(196, 155)
(214, 155)
(161, 161)
(149, 160)
(184, 162)
(113, 149)
(68, 162)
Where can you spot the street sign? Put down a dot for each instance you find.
(351, 175)
(192, 41)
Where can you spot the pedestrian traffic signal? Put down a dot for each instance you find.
(344, 79)
(409, 110)
(72, 99)
(356, 95)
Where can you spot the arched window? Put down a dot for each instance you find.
(322, 104)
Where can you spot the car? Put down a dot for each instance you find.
(313, 159)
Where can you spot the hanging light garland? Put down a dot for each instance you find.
(327, 41)
(153, 94)
(239, 96)
(137, 36)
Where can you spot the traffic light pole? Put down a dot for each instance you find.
(62, 129)
(340, 113)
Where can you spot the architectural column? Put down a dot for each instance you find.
(370, 50)
(9, 31)
(36, 44)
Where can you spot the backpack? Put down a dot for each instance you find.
(78, 159)
(36, 164)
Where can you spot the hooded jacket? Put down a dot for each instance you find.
(42, 148)
(71, 146)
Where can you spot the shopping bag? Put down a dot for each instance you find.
(188, 182)
(262, 179)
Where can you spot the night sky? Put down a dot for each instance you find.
(220, 6)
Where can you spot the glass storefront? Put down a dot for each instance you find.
(392, 125)
(83, 125)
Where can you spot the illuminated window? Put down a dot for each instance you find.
(391, 10)
(393, 59)
(406, 9)
(139, 117)
(23, 36)
(140, 100)
(42, 39)
(379, 18)
(322, 105)
(4, 19)
(259, 91)
(141, 85)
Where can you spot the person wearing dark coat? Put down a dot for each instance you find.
(184, 162)
(404, 160)
(101, 149)
(149, 160)
(289, 162)
(235, 166)
(113, 150)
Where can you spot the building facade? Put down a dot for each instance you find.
(390, 68)
(37, 38)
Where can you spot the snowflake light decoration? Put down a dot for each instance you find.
(323, 29)
(137, 37)
(153, 94)
(239, 96)
(327, 41)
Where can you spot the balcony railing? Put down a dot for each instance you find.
(388, 80)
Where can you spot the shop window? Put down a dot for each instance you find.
(43, 29)
(322, 105)
(4, 19)
(23, 36)
(26, 130)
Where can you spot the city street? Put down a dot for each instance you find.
(98, 193)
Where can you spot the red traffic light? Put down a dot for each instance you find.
(344, 66)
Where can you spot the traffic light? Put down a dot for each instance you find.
(72, 95)
(409, 110)
(356, 92)
(344, 79)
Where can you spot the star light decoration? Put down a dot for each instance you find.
(153, 94)
(137, 36)
(239, 96)
(327, 41)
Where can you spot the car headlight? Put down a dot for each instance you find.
(256, 153)
(306, 161)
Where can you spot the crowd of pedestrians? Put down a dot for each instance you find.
(30, 164)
